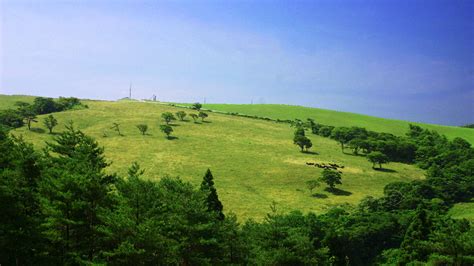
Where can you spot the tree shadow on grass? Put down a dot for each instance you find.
(385, 170)
(37, 130)
(172, 138)
(207, 122)
(338, 192)
(319, 195)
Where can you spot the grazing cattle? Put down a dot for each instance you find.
(331, 166)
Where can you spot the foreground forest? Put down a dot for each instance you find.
(61, 204)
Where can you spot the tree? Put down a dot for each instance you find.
(299, 131)
(303, 142)
(11, 118)
(29, 115)
(43, 105)
(343, 135)
(181, 115)
(168, 117)
(143, 128)
(213, 202)
(325, 131)
(20, 237)
(74, 191)
(167, 129)
(312, 184)
(50, 122)
(66, 103)
(194, 116)
(197, 106)
(357, 144)
(202, 115)
(377, 157)
(116, 127)
(331, 178)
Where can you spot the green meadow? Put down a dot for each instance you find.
(335, 118)
(254, 162)
(464, 210)
(8, 101)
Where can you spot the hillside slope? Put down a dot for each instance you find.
(335, 118)
(254, 162)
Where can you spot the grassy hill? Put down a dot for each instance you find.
(334, 118)
(254, 162)
(8, 101)
(463, 210)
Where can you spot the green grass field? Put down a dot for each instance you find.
(334, 118)
(463, 210)
(254, 162)
(8, 101)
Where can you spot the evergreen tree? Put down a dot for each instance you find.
(74, 191)
(20, 240)
(415, 245)
(213, 202)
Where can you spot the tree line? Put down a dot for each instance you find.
(26, 113)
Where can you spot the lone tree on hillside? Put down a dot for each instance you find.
(181, 115)
(168, 117)
(331, 178)
(312, 184)
(377, 157)
(167, 129)
(197, 106)
(202, 115)
(143, 128)
(212, 200)
(194, 116)
(116, 127)
(50, 122)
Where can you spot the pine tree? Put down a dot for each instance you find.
(20, 239)
(213, 202)
(74, 192)
(415, 242)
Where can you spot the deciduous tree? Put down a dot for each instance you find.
(168, 117)
(197, 106)
(331, 178)
(181, 115)
(143, 128)
(194, 116)
(50, 122)
(377, 157)
(167, 129)
(202, 115)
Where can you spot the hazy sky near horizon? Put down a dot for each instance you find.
(411, 60)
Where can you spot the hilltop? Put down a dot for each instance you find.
(336, 118)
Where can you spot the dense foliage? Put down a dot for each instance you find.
(59, 206)
(26, 113)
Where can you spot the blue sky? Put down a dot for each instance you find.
(411, 60)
